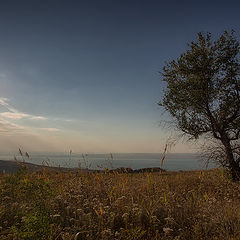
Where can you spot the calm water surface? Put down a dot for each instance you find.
(173, 161)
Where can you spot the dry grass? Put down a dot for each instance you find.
(172, 205)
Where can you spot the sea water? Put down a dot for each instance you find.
(172, 162)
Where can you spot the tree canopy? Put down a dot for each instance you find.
(203, 92)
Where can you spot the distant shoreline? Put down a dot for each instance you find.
(172, 162)
(11, 167)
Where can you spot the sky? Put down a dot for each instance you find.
(84, 75)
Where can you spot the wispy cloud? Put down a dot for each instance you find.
(50, 129)
(9, 122)
(14, 114)
(63, 119)
(3, 102)
(38, 117)
(8, 119)
(9, 127)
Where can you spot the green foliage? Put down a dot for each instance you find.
(203, 86)
(26, 186)
(35, 225)
(203, 93)
(26, 189)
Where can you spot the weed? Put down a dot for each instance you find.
(117, 205)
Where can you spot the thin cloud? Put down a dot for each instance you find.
(63, 119)
(14, 114)
(38, 118)
(9, 118)
(8, 127)
(50, 129)
(3, 102)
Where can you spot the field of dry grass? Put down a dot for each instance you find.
(170, 205)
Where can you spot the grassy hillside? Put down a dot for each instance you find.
(170, 205)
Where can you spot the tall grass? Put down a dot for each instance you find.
(112, 205)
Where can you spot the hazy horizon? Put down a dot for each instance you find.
(172, 162)
(67, 153)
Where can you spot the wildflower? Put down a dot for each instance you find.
(135, 209)
(106, 208)
(167, 230)
(122, 198)
(24, 219)
(106, 233)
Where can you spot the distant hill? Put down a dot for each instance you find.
(10, 167)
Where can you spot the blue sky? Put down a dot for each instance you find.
(83, 75)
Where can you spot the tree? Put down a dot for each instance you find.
(202, 93)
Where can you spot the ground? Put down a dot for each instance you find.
(112, 205)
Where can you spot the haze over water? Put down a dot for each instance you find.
(173, 161)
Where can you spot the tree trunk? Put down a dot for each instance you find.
(233, 165)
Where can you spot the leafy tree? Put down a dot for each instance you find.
(203, 93)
